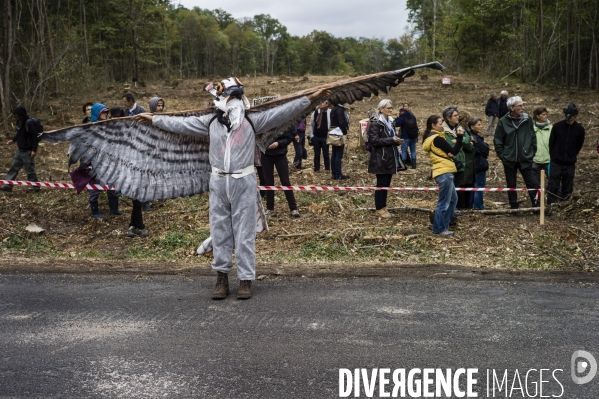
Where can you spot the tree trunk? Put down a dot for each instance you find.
(6, 54)
(568, 45)
(540, 72)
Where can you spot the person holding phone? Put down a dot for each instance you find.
(385, 160)
(444, 168)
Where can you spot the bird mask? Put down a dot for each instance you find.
(229, 98)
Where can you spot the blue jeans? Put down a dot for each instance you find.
(448, 198)
(411, 144)
(480, 181)
(336, 156)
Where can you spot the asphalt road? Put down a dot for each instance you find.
(99, 336)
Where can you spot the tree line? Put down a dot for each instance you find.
(50, 47)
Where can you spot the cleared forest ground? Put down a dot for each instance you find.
(332, 231)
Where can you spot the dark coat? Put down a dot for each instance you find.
(492, 108)
(382, 149)
(284, 140)
(481, 153)
(515, 144)
(339, 118)
(26, 137)
(502, 105)
(566, 142)
(468, 176)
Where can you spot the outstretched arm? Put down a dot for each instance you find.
(191, 125)
(270, 119)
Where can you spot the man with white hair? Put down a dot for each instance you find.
(233, 195)
(516, 144)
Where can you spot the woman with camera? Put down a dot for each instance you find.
(441, 154)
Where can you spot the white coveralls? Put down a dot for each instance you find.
(233, 198)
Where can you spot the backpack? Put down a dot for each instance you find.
(412, 127)
(34, 126)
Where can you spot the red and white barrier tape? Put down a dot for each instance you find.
(278, 188)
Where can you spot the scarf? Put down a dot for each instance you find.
(319, 118)
(541, 125)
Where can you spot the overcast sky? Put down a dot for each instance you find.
(357, 18)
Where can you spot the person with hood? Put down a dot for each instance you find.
(100, 112)
(565, 142)
(234, 200)
(156, 104)
(516, 145)
(408, 130)
(276, 157)
(340, 119)
(441, 153)
(543, 131)
(385, 159)
(27, 141)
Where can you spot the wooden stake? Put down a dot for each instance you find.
(542, 199)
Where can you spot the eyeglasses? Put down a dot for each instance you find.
(388, 107)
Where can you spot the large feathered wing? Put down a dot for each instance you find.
(147, 163)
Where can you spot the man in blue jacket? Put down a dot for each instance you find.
(408, 131)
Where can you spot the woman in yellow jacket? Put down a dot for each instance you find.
(441, 154)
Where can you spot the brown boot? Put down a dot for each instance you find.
(245, 289)
(222, 286)
(382, 213)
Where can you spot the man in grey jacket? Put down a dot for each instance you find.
(233, 190)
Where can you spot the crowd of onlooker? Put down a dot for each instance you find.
(454, 141)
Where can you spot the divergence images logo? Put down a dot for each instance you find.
(583, 362)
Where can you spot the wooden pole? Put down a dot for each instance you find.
(542, 199)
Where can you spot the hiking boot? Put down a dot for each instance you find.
(270, 212)
(245, 289)
(222, 286)
(295, 213)
(446, 233)
(131, 232)
(33, 190)
(143, 233)
(6, 188)
(413, 164)
(95, 210)
(382, 213)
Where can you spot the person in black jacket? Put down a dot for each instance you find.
(492, 112)
(340, 119)
(26, 139)
(565, 142)
(276, 157)
(385, 159)
(481, 165)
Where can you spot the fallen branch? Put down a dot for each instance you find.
(403, 208)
